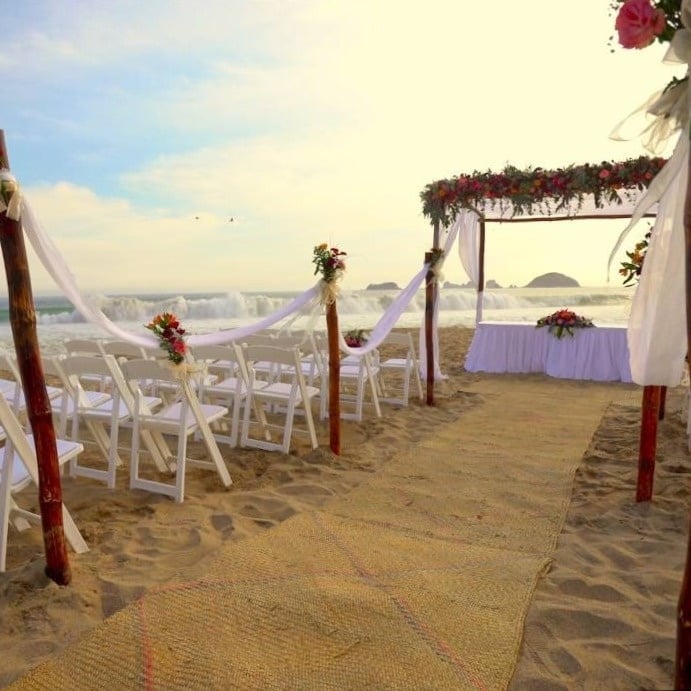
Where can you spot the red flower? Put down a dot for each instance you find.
(638, 23)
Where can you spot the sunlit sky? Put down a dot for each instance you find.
(138, 130)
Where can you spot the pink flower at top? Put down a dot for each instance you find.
(638, 23)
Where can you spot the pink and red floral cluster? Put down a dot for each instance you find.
(328, 261)
(641, 22)
(538, 188)
(564, 322)
(167, 327)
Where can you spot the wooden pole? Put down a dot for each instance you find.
(430, 302)
(334, 378)
(650, 410)
(430, 298)
(682, 678)
(23, 324)
(481, 271)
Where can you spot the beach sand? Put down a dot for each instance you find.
(603, 617)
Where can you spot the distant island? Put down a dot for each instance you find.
(390, 285)
(553, 280)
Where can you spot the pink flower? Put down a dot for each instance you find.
(638, 23)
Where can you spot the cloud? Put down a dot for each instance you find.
(307, 121)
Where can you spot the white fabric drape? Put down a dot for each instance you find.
(307, 302)
(469, 252)
(56, 266)
(657, 326)
(438, 375)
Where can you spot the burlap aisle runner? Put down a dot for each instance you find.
(418, 579)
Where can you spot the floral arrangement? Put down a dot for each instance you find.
(167, 327)
(639, 23)
(329, 262)
(537, 189)
(355, 338)
(631, 269)
(564, 321)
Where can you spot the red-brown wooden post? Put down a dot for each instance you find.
(663, 402)
(650, 408)
(682, 677)
(334, 378)
(430, 302)
(23, 323)
(430, 298)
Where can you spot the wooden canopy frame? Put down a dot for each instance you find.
(527, 190)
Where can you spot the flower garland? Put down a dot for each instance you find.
(329, 263)
(564, 321)
(167, 328)
(537, 189)
(631, 270)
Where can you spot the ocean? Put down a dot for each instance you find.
(208, 312)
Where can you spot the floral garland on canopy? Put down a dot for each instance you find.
(537, 189)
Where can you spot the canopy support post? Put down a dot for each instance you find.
(682, 678)
(481, 272)
(23, 324)
(430, 303)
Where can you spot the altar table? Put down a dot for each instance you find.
(599, 353)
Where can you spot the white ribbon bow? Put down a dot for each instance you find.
(8, 185)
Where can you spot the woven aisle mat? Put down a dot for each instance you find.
(418, 579)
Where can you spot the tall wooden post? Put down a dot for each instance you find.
(650, 413)
(430, 302)
(334, 378)
(23, 323)
(682, 678)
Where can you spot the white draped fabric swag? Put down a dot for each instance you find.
(307, 302)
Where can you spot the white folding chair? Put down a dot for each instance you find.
(63, 405)
(183, 418)
(357, 373)
(88, 346)
(230, 389)
(289, 394)
(103, 419)
(13, 390)
(18, 469)
(403, 365)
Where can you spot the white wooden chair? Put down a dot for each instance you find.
(88, 346)
(284, 395)
(182, 418)
(104, 419)
(230, 389)
(12, 388)
(397, 371)
(18, 470)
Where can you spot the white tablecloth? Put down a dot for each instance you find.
(599, 353)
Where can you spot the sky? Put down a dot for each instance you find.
(178, 146)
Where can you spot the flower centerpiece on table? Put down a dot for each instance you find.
(355, 338)
(166, 327)
(564, 321)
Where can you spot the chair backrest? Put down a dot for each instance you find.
(125, 349)
(285, 360)
(75, 346)
(222, 358)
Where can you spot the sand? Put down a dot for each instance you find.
(603, 617)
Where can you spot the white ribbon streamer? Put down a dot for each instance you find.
(656, 330)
